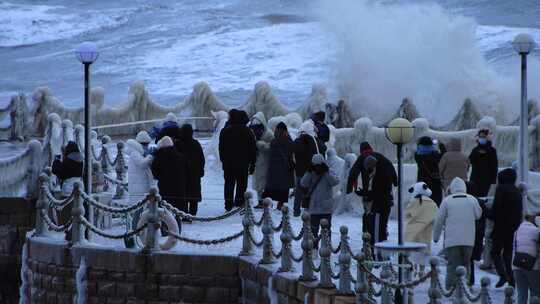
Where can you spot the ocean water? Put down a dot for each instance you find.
(373, 52)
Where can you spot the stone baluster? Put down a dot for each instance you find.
(152, 240)
(344, 262)
(120, 170)
(247, 223)
(366, 247)
(509, 295)
(362, 286)
(77, 212)
(485, 282)
(386, 291)
(307, 249)
(325, 251)
(41, 205)
(268, 233)
(286, 240)
(434, 293)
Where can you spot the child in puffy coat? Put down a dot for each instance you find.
(419, 216)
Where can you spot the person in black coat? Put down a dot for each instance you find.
(321, 128)
(169, 128)
(280, 176)
(238, 153)
(507, 215)
(192, 150)
(304, 147)
(357, 168)
(484, 164)
(376, 193)
(427, 158)
(170, 169)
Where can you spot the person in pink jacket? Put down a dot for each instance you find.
(527, 240)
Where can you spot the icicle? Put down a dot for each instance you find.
(23, 290)
(80, 281)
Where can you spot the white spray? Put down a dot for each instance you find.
(80, 281)
(23, 289)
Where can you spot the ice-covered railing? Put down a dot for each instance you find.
(20, 172)
(14, 128)
(367, 286)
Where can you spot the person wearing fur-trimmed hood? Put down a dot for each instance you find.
(419, 216)
(264, 137)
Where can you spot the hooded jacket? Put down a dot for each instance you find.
(453, 163)
(484, 167)
(507, 207)
(305, 146)
(320, 186)
(263, 153)
(69, 170)
(419, 216)
(281, 172)
(192, 150)
(140, 177)
(170, 170)
(237, 147)
(457, 217)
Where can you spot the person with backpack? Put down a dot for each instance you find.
(319, 181)
(526, 264)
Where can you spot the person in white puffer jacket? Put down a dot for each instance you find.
(457, 217)
(264, 137)
(140, 178)
(527, 240)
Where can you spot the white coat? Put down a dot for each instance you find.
(457, 217)
(263, 156)
(140, 178)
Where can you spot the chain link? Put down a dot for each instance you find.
(468, 293)
(380, 281)
(104, 234)
(52, 225)
(109, 209)
(116, 181)
(56, 203)
(443, 291)
(184, 215)
(252, 239)
(206, 242)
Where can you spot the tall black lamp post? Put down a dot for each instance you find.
(87, 54)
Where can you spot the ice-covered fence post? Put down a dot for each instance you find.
(434, 293)
(459, 294)
(153, 220)
(509, 295)
(485, 298)
(361, 287)
(104, 155)
(344, 262)
(247, 246)
(366, 246)
(120, 170)
(41, 205)
(286, 239)
(386, 291)
(77, 212)
(325, 251)
(78, 135)
(307, 248)
(268, 233)
(32, 186)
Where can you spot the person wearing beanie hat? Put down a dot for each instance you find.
(378, 176)
(170, 170)
(319, 182)
(484, 163)
(304, 147)
(144, 139)
(280, 176)
(427, 158)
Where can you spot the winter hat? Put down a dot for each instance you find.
(365, 148)
(507, 176)
(370, 162)
(71, 147)
(419, 189)
(186, 132)
(483, 132)
(307, 127)
(425, 141)
(165, 142)
(319, 116)
(317, 159)
(171, 117)
(143, 137)
(243, 117)
(458, 186)
(281, 126)
(331, 152)
(134, 146)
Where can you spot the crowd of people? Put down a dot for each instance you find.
(444, 201)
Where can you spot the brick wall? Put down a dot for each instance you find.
(16, 219)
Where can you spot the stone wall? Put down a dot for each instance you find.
(129, 276)
(16, 219)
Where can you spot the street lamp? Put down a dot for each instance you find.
(87, 54)
(399, 132)
(523, 44)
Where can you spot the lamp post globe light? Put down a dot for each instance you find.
(523, 44)
(87, 54)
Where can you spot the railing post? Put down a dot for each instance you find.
(366, 246)
(325, 252)
(509, 295)
(386, 291)
(120, 170)
(459, 294)
(77, 212)
(434, 293)
(268, 233)
(307, 248)
(152, 240)
(41, 205)
(485, 298)
(344, 262)
(286, 239)
(247, 223)
(362, 295)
